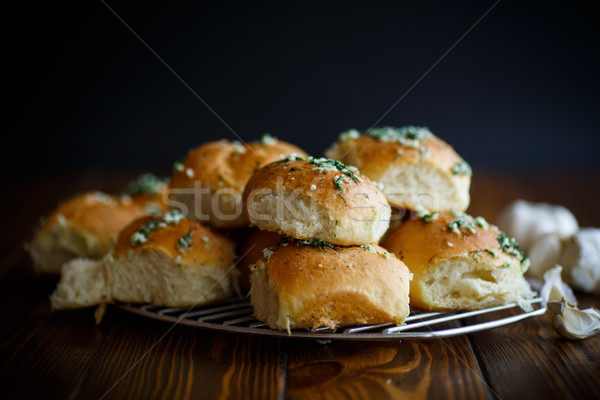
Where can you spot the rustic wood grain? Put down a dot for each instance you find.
(142, 360)
(49, 354)
(439, 369)
(532, 361)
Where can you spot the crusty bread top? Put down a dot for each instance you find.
(309, 269)
(374, 156)
(349, 195)
(185, 241)
(225, 164)
(420, 243)
(95, 212)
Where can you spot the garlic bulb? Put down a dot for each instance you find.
(581, 258)
(579, 255)
(526, 221)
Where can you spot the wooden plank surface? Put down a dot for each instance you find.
(532, 361)
(439, 369)
(65, 355)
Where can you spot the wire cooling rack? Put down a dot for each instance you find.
(236, 315)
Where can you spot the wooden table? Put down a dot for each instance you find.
(64, 355)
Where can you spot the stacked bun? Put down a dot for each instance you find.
(326, 270)
(458, 262)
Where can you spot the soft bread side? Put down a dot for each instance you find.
(316, 199)
(415, 167)
(459, 263)
(308, 286)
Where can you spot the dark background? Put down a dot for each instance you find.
(519, 92)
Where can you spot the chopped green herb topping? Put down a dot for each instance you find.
(337, 183)
(462, 168)
(147, 184)
(324, 165)
(477, 253)
(511, 247)
(185, 241)
(506, 265)
(425, 215)
(141, 236)
(321, 244)
(409, 136)
(268, 140)
(178, 166)
(466, 221)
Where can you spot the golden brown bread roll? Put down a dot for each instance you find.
(207, 186)
(312, 284)
(415, 167)
(166, 261)
(316, 198)
(251, 250)
(86, 225)
(459, 262)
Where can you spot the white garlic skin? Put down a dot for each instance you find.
(527, 221)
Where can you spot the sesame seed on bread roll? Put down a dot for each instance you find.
(415, 167)
(210, 181)
(459, 262)
(316, 198)
(309, 284)
(85, 225)
(166, 261)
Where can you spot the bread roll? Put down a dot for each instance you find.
(207, 186)
(415, 167)
(148, 191)
(86, 226)
(165, 261)
(313, 284)
(459, 262)
(316, 199)
(251, 250)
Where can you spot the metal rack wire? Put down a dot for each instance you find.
(236, 315)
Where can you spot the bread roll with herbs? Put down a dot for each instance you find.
(415, 167)
(459, 262)
(85, 226)
(207, 186)
(309, 284)
(316, 198)
(251, 250)
(165, 261)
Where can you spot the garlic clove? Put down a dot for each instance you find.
(567, 320)
(555, 289)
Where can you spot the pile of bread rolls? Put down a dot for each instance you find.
(333, 241)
